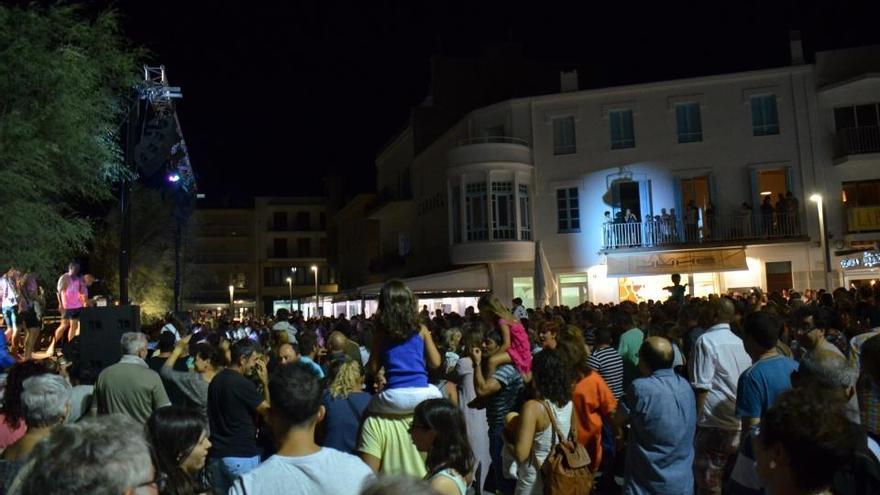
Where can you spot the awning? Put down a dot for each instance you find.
(461, 281)
(709, 260)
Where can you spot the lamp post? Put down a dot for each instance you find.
(315, 270)
(231, 301)
(290, 288)
(823, 234)
(298, 306)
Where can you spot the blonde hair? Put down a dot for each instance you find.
(490, 303)
(347, 379)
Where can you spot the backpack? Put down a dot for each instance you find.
(566, 471)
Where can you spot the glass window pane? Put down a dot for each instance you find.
(866, 115)
(844, 118)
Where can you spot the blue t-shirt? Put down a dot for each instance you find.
(405, 363)
(761, 383)
(343, 419)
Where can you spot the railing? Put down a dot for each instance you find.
(712, 229)
(223, 231)
(221, 258)
(857, 140)
(493, 139)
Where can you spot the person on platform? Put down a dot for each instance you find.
(72, 295)
(130, 387)
(10, 298)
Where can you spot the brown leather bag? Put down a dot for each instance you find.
(566, 471)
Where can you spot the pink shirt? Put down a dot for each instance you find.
(72, 296)
(8, 434)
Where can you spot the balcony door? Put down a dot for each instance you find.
(632, 195)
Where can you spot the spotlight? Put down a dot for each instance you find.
(173, 177)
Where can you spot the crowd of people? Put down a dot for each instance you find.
(743, 394)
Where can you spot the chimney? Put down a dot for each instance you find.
(568, 81)
(796, 47)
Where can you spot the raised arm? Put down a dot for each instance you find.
(432, 355)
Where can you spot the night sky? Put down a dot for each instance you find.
(278, 95)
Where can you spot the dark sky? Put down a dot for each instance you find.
(279, 94)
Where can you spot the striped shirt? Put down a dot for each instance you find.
(608, 363)
(505, 400)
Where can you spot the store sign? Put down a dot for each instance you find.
(713, 260)
(868, 259)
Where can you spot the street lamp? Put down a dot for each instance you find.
(315, 269)
(823, 234)
(231, 302)
(290, 286)
(298, 304)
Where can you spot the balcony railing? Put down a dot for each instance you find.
(857, 140)
(716, 229)
(493, 139)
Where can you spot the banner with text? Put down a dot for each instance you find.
(713, 260)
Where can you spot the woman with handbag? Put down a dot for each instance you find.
(536, 430)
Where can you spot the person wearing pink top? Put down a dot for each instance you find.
(72, 294)
(515, 348)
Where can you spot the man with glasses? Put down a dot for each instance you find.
(107, 455)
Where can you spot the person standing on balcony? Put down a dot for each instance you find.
(632, 231)
(766, 216)
(649, 231)
(608, 228)
(691, 216)
(710, 220)
(781, 215)
(793, 212)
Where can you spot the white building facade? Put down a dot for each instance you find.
(713, 149)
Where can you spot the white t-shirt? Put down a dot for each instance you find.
(719, 358)
(169, 327)
(326, 471)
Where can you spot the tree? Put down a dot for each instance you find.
(63, 95)
(151, 285)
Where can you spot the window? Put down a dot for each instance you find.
(856, 116)
(456, 213)
(303, 222)
(495, 131)
(279, 248)
(322, 221)
(523, 288)
(503, 212)
(304, 247)
(687, 121)
(622, 135)
(568, 211)
(475, 210)
(279, 220)
(862, 193)
(564, 136)
(525, 215)
(765, 120)
(322, 247)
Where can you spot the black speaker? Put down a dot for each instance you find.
(100, 333)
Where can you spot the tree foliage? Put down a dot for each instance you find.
(64, 83)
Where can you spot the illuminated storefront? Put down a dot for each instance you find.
(861, 268)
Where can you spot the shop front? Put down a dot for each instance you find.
(645, 276)
(862, 268)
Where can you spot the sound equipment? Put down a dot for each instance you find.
(100, 333)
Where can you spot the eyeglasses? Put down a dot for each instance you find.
(159, 481)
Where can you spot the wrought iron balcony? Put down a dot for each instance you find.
(856, 141)
(719, 229)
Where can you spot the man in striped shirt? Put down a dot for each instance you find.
(607, 362)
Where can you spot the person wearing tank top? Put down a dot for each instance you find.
(551, 381)
(72, 293)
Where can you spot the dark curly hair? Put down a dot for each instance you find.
(18, 373)
(451, 448)
(811, 426)
(398, 318)
(553, 376)
(210, 353)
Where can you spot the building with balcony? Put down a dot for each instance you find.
(618, 188)
(266, 253)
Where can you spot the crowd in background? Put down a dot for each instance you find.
(746, 393)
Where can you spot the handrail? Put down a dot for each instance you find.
(493, 139)
(857, 140)
(709, 229)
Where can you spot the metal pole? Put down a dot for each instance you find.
(178, 250)
(826, 254)
(131, 137)
(316, 291)
(290, 300)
